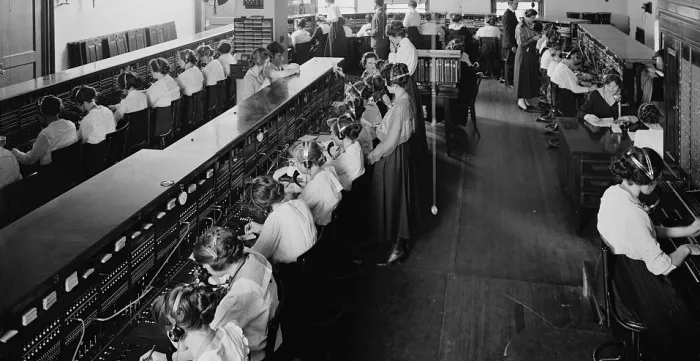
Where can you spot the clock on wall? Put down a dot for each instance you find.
(253, 4)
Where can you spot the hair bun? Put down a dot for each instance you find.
(206, 303)
(621, 167)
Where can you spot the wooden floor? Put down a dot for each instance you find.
(503, 256)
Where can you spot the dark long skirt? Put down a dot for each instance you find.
(422, 152)
(414, 94)
(395, 203)
(672, 331)
(527, 83)
(415, 37)
(337, 43)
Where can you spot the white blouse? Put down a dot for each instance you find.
(546, 60)
(59, 134)
(333, 13)
(134, 101)
(213, 73)
(250, 303)
(161, 93)
(488, 31)
(628, 230)
(9, 168)
(406, 54)
(226, 60)
(364, 30)
(97, 124)
(300, 37)
(252, 82)
(552, 65)
(565, 78)
(349, 165)
(412, 18)
(288, 232)
(191, 81)
(322, 195)
(229, 344)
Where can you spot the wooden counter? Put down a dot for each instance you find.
(47, 245)
(624, 46)
(584, 161)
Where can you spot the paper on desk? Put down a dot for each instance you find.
(602, 122)
(616, 128)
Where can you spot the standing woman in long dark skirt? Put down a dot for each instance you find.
(395, 195)
(527, 84)
(337, 44)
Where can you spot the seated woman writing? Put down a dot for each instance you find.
(288, 231)
(251, 297)
(628, 230)
(605, 101)
(185, 313)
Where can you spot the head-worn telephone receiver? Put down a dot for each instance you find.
(648, 170)
(212, 248)
(40, 105)
(305, 154)
(176, 333)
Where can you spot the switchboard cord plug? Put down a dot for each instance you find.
(82, 334)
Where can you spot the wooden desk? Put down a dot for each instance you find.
(584, 161)
(625, 47)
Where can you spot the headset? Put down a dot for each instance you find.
(648, 170)
(212, 249)
(40, 105)
(76, 93)
(176, 332)
(306, 146)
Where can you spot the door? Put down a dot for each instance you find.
(20, 40)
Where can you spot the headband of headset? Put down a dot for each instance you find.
(648, 170)
(176, 332)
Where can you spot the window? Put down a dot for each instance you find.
(499, 7)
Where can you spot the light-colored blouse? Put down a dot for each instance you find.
(406, 54)
(322, 195)
(488, 31)
(161, 93)
(333, 13)
(191, 81)
(628, 230)
(300, 36)
(213, 73)
(226, 60)
(349, 165)
(59, 134)
(412, 18)
(251, 83)
(250, 303)
(135, 100)
(403, 113)
(565, 78)
(288, 232)
(9, 168)
(95, 126)
(229, 344)
(545, 60)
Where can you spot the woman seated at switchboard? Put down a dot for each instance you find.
(649, 115)
(300, 35)
(9, 168)
(254, 78)
(57, 133)
(212, 71)
(165, 89)
(368, 62)
(191, 80)
(640, 263)
(135, 100)
(288, 231)
(98, 122)
(606, 102)
(251, 297)
(185, 313)
(564, 77)
(322, 191)
(225, 57)
(320, 36)
(276, 68)
(347, 158)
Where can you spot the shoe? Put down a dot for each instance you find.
(397, 253)
(501, 80)
(529, 109)
(509, 86)
(553, 144)
(552, 126)
(545, 119)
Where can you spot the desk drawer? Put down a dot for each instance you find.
(596, 183)
(590, 199)
(595, 167)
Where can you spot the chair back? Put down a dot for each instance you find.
(223, 96)
(140, 130)
(176, 108)
(116, 145)
(302, 53)
(188, 117)
(199, 108)
(212, 97)
(66, 168)
(94, 158)
(479, 76)
(490, 48)
(230, 92)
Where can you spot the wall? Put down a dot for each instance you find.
(79, 20)
(645, 21)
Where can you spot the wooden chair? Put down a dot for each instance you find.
(199, 108)
(230, 92)
(140, 130)
(490, 55)
(116, 145)
(302, 53)
(66, 168)
(94, 158)
(212, 103)
(176, 108)
(614, 308)
(163, 126)
(21, 197)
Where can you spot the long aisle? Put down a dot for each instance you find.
(503, 242)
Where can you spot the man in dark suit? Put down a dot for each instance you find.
(509, 45)
(380, 42)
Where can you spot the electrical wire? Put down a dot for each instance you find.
(82, 334)
(433, 208)
(148, 286)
